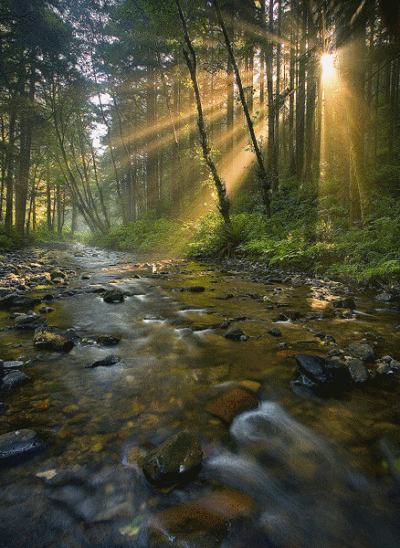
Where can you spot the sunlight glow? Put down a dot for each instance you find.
(327, 63)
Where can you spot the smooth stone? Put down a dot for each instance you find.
(13, 379)
(313, 367)
(234, 334)
(275, 332)
(108, 340)
(195, 289)
(30, 321)
(109, 360)
(200, 524)
(234, 401)
(57, 274)
(362, 351)
(113, 296)
(18, 442)
(358, 371)
(52, 341)
(174, 459)
(13, 364)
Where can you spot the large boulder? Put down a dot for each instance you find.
(176, 459)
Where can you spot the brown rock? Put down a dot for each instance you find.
(232, 403)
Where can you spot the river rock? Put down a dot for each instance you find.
(313, 367)
(358, 371)
(362, 351)
(109, 360)
(235, 334)
(347, 302)
(57, 275)
(199, 524)
(108, 340)
(113, 296)
(13, 379)
(174, 460)
(232, 402)
(30, 321)
(17, 443)
(52, 341)
(275, 332)
(6, 301)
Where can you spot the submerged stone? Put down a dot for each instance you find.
(13, 379)
(113, 296)
(174, 460)
(109, 360)
(19, 442)
(234, 401)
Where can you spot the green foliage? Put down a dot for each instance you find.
(214, 238)
(145, 235)
(307, 235)
(6, 243)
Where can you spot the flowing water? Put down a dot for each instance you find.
(294, 472)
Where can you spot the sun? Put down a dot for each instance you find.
(327, 63)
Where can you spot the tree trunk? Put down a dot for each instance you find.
(265, 180)
(191, 61)
(26, 134)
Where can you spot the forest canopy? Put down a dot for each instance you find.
(124, 117)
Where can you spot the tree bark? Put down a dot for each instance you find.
(191, 61)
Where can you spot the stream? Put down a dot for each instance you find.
(293, 471)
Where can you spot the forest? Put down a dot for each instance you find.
(259, 129)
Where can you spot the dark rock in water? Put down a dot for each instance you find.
(347, 302)
(195, 289)
(109, 360)
(46, 309)
(52, 341)
(235, 334)
(108, 340)
(57, 274)
(113, 296)
(25, 302)
(362, 351)
(174, 460)
(339, 374)
(13, 379)
(313, 367)
(1, 369)
(232, 402)
(199, 524)
(20, 442)
(13, 364)
(275, 332)
(303, 386)
(358, 371)
(224, 297)
(30, 321)
(384, 297)
(7, 300)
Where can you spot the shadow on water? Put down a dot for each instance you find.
(291, 473)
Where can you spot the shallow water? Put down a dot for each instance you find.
(294, 472)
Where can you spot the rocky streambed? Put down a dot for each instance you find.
(156, 403)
